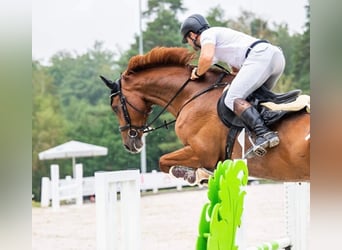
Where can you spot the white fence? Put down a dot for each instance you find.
(69, 189)
(107, 215)
(61, 189)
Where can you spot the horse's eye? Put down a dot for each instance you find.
(116, 109)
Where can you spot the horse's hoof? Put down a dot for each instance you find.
(202, 176)
(185, 173)
(203, 182)
(179, 171)
(190, 177)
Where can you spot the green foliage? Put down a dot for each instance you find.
(163, 31)
(216, 17)
(48, 125)
(154, 6)
(77, 76)
(301, 58)
(70, 102)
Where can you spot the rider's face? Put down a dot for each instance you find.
(192, 38)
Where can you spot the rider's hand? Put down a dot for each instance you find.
(194, 74)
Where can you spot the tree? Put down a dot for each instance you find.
(301, 69)
(215, 17)
(78, 75)
(162, 29)
(48, 126)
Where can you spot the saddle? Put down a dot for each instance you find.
(271, 106)
(257, 98)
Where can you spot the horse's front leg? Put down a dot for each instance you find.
(181, 157)
(184, 163)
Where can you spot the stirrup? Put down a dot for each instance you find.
(259, 151)
(255, 151)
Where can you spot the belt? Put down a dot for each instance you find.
(253, 44)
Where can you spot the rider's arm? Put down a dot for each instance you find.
(206, 58)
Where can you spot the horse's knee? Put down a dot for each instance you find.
(163, 166)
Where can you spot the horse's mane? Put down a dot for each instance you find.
(160, 56)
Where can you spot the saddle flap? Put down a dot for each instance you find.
(263, 94)
(303, 101)
(272, 107)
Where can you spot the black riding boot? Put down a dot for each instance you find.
(265, 138)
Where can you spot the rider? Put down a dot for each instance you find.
(254, 62)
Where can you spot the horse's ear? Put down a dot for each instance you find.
(109, 83)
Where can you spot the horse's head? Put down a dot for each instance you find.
(132, 112)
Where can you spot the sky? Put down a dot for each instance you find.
(75, 25)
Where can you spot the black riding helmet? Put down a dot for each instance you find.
(195, 23)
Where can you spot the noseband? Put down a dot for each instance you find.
(132, 129)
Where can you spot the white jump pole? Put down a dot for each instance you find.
(106, 184)
(297, 209)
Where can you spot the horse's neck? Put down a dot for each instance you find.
(161, 90)
(161, 85)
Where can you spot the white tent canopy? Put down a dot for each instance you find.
(73, 149)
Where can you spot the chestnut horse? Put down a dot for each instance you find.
(161, 77)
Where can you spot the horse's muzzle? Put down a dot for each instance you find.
(133, 142)
(133, 133)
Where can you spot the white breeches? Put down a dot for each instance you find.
(264, 65)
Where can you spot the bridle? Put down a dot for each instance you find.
(132, 129)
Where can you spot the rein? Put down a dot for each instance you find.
(133, 130)
(148, 128)
(217, 84)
